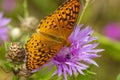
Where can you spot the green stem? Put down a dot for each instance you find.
(6, 46)
(107, 41)
(24, 78)
(25, 9)
(84, 9)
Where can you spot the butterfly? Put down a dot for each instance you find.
(51, 34)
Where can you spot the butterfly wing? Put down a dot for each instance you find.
(51, 34)
(40, 50)
(49, 26)
(67, 16)
(61, 23)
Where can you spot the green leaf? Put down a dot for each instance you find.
(112, 47)
(118, 77)
(14, 78)
(55, 77)
(3, 50)
(44, 74)
(46, 6)
(7, 67)
(87, 76)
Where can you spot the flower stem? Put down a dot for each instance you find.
(25, 9)
(84, 9)
(6, 46)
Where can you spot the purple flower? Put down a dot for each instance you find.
(112, 30)
(9, 5)
(4, 28)
(70, 60)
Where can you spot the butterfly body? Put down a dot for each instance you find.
(51, 34)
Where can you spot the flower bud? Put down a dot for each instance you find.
(15, 33)
(16, 53)
(29, 24)
(24, 72)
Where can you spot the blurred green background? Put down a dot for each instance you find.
(103, 16)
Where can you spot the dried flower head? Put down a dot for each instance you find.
(29, 23)
(24, 72)
(16, 53)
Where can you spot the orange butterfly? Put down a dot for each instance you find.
(52, 34)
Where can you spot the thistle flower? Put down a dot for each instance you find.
(9, 5)
(29, 23)
(4, 28)
(112, 30)
(71, 60)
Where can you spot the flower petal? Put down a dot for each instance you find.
(4, 22)
(59, 70)
(1, 15)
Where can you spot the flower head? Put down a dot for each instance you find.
(28, 24)
(16, 53)
(9, 5)
(112, 30)
(70, 60)
(4, 28)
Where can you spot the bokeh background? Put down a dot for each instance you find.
(102, 15)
